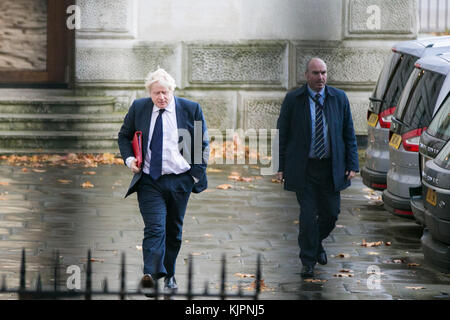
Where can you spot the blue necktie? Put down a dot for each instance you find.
(156, 146)
(319, 143)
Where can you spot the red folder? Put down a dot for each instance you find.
(137, 147)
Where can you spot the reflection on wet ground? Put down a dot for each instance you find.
(371, 253)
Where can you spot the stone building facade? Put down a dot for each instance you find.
(238, 58)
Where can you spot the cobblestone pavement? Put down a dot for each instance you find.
(41, 214)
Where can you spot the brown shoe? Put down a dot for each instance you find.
(147, 282)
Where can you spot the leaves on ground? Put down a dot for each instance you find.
(86, 160)
(224, 186)
(372, 244)
(314, 280)
(86, 185)
(64, 181)
(244, 275)
(342, 255)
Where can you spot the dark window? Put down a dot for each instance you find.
(440, 125)
(384, 79)
(417, 112)
(398, 81)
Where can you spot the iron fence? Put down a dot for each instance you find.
(39, 293)
(434, 16)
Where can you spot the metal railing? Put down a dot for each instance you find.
(38, 293)
(434, 16)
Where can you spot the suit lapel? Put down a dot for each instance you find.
(180, 114)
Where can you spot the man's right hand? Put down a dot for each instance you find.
(134, 167)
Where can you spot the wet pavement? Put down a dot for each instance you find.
(371, 253)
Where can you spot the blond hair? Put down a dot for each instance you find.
(162, 77)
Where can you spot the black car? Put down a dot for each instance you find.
(431, 142)
(436, 192)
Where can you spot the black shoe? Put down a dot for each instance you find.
(147, 282)
(170, 287)
(322, 258)
(307, 272)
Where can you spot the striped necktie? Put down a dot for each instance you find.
(156, 146)
(319, 142)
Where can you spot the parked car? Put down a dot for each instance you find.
(436, 192)
(384, 100)
(424, 92)
(431, 142)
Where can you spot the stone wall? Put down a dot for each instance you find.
(238, 58)
(23, 34)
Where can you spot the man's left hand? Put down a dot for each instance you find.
(350, 174)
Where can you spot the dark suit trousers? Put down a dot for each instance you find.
(319, 209)
(163, 205)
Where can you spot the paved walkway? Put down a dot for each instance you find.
(46, 209)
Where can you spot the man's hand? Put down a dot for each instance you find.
(279, 175)
(350, 174)
(134, 167)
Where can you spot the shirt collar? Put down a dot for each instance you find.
(170, 107)
(313, 93)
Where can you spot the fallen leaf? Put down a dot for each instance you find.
(262, 285)
(343, 275)
(276, 181)
(207, 235)
(373, 253)
(397, 261)
(39, 170)
(342, 255)
(346, 271)
(24, 170)
(415, 288)
(388, 243)
(224, 186)
(235, 178)
(244, 275)
(87, 184)
(371, 244)
(314, 280)
(212, 170)
(64, 181)
(4, 183)
(90, 173)
(413, 264)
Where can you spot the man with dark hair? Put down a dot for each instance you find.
(317, 158)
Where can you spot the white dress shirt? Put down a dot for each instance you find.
(172, 160)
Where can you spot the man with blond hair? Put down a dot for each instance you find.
(175, 150)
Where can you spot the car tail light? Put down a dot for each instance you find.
(403, 212)
(379, 185)
(385, 117)
(411, 140)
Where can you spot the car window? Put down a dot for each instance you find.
(398, 81)
(409, 87)
(440, 125)
(386, 74)
(443, 157)
(418, 110)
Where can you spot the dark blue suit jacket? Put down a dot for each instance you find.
(294, 125)
(188, 112)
